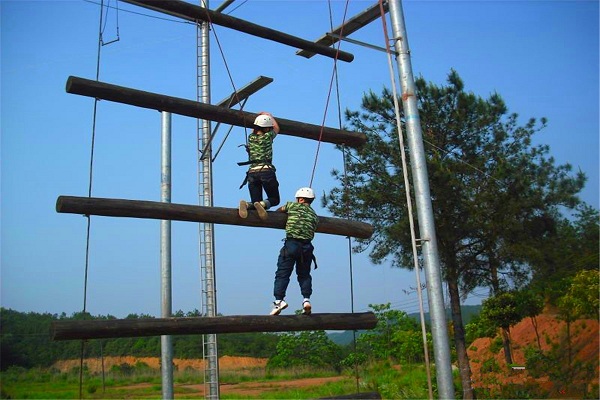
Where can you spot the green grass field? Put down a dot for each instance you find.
(18, 383)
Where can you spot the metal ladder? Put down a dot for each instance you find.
(206, 232)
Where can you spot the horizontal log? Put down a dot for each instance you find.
(216, 215)
(191, 12)
(114, 328)
(160, 102)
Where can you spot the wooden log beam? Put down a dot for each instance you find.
(100, 329)
(194, 13)
(350, 26)
(216, 215)
(160, 102)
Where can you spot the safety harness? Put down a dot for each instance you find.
(267, 164)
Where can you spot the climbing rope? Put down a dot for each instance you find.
(408, 196)
(344, 150)
(106, 20)
(101, 43)
(90, 185)
(331, 81)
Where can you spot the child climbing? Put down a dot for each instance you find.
(297, 250)
(261, 174)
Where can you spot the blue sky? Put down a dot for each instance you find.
(540, 56)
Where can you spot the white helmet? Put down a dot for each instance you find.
(264, 121)
(305, 192)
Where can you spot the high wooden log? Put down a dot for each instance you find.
(100, 329)
(175, 105)
(216, 215)
(191, 12)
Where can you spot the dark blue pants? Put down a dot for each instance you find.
(266, 180)
(294, 253)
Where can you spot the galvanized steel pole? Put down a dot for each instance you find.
(207, 236)
(166, 342)
(435, 296)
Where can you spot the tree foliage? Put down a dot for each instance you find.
(492, 190)
(494, 194)
(503, 310)
(386, 339)
(25, 342)
(480, 327)
(583, 293)
(307, 348)
(396, 336)
(581, 298)
(571, 247)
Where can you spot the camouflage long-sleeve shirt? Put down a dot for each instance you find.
(260, 148)
(302, 220)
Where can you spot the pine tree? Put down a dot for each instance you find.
(493, 192)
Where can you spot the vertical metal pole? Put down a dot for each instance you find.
(431, 260)
(103, 372)
(166, 342)
(207, 246)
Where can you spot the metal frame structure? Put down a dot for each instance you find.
(206, 230)
(419, 171)
(203, 17)
(426, 222)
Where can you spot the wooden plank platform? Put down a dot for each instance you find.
(175, 105)
(99, 329)
(216, 215)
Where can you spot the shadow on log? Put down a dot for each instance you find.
(215, 215)
(175, 105)
(99, 329)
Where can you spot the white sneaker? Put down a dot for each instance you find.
(260, 209)
(243, 209)
(306, 307)
(278, 306)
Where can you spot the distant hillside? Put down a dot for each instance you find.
(579, 379)
(25, 342)
(345, 338)
(468, 312)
